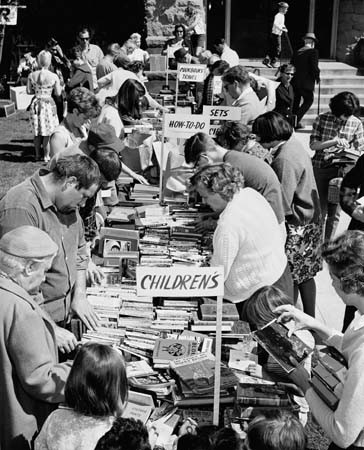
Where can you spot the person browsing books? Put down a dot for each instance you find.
(32, 381)
(96, 393)
(247, 241)
(344, 425)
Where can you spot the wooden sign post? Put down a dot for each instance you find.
(188, 282)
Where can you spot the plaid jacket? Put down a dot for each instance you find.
(327, 126)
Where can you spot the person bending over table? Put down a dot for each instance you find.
(247, 241)
(345, 425)
(32, 381)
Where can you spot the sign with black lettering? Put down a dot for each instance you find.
(222, 112)
(194, 73)
(180, 281)
(185, 125)
(213, 130)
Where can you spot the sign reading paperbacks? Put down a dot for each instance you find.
(180, 281)
(185, 125)
(195, 73)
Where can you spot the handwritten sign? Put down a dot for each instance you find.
(222, 112)
(217, 85)
(213, 130)
(180, 281)
(195, 73)
(185, 125)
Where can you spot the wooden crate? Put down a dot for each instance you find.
(7, 108)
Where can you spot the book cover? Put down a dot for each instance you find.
(167, 350)
(229, 311)
(262, 394)
(273, 337)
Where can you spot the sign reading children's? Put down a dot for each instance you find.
(185, 125)
(180, 281)
(194, 73)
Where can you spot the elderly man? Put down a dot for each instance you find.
(91, 53)
(236, 83)
(32, 381)
(50, 200)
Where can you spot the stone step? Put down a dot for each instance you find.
(353, 80)
(332, 89)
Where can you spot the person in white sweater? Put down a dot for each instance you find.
(345, 425)
(247, 241)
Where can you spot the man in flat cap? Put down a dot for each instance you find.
(50, 200)
(31, 379)
(306, 62)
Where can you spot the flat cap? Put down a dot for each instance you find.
(28, 242)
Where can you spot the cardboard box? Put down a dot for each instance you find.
(20, 97)
(7, 108)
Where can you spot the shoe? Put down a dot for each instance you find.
(267, 63)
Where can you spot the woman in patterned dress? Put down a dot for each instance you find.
(43, 109)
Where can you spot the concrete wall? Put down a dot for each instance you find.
(161, 17)
(350, 28)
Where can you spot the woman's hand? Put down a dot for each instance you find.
(301, 320)
(140, 178)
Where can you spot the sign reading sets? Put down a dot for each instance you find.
(180, 281)
(222, 112)
(192, 72)
(185, 125)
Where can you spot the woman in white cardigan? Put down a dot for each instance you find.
(247, 241)
(345, 425)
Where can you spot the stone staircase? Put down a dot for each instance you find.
(335, 77)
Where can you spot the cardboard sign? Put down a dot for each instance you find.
(8, 15)
(222, 112)
(217, 85)
(180, 281)
(185, 125)
(213, 129)
(194, 73)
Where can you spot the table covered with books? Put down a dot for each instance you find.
(169, 342)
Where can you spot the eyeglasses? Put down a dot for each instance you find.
(289, 74)
(84, 38)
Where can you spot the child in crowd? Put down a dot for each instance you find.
(125, 434)
(258, 311)
(95, 393)
(277, 430)
(275, 45)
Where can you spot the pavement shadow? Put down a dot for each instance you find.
(17, 153)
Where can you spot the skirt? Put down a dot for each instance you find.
(303, 249)
(44, 117)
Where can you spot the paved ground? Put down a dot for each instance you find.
(329, 306)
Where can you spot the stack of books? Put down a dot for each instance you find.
(328, 376)
(195, 376)
(145, 194)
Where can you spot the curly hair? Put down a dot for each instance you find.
(83, 168)
(220, 178)
(233, 135)
(84, 101)
(125, 434)
(345, 257)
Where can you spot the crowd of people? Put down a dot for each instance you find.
(270, 213)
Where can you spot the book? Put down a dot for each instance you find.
(324, 392)
(138, 368)
(167, 350)
(229, 311)
(273, 337)
(262, 394)
(181, 400)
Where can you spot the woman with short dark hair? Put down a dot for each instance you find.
(293, 167)
(96, 392)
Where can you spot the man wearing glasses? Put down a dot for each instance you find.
(236, 84)
(91, 53)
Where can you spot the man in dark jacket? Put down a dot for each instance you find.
(305, 60)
